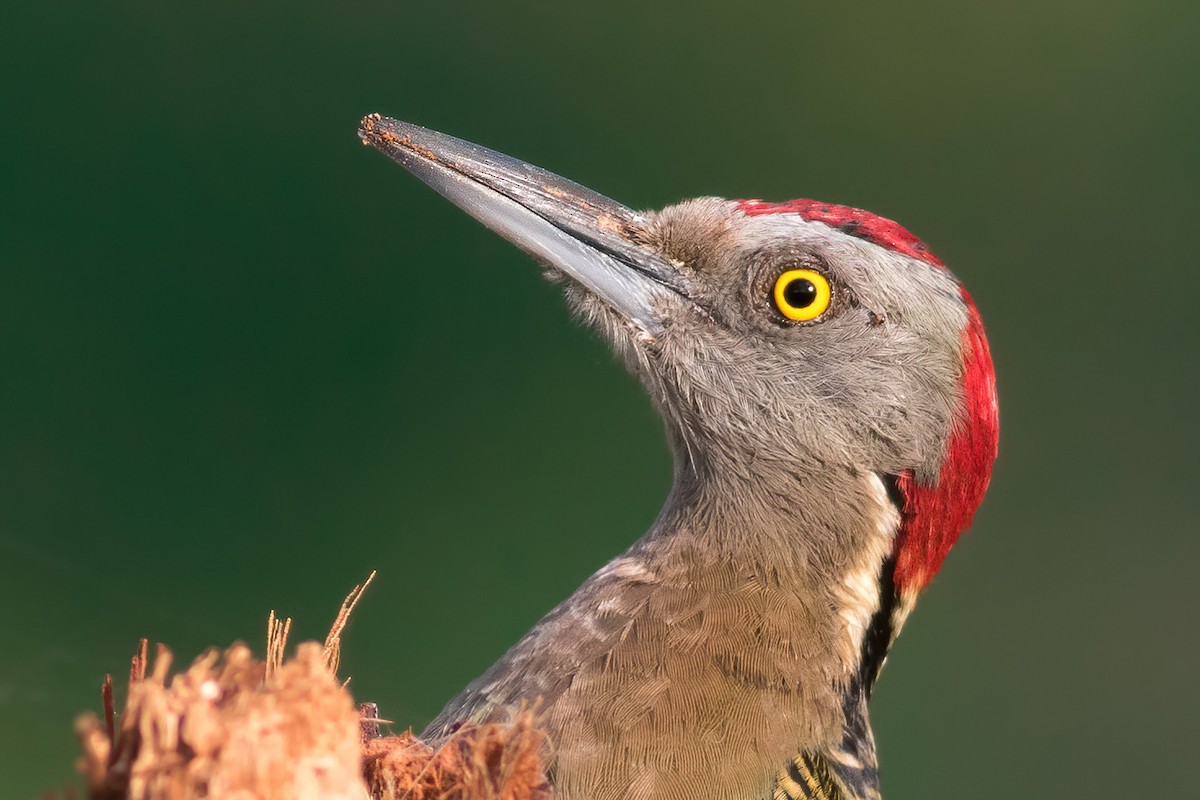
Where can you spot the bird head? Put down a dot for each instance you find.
(774, 338)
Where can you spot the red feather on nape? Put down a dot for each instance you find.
(933, 515)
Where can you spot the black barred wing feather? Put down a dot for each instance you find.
(815, 776)
(807, 778)
(848, 772)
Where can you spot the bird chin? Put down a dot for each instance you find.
(621, 333)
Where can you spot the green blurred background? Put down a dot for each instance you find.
(246, 360)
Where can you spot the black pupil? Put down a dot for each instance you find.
(800, 293)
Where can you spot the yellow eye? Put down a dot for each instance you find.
(802, 294)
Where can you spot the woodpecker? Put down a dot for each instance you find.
(830, 404)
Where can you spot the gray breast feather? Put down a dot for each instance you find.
(539, 668)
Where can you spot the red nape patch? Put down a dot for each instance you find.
(851, 221)
(934, 516)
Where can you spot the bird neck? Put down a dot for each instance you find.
(824, 533)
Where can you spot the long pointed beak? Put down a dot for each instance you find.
(593, 240)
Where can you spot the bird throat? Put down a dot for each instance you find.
(797, 534)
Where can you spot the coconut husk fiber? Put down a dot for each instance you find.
(235, 727)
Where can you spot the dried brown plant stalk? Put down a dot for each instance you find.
(333, 641)
(277, 635)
